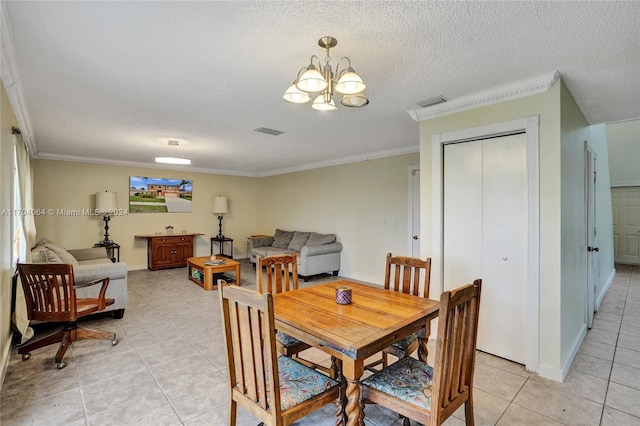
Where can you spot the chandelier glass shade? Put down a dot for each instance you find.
(310, 83)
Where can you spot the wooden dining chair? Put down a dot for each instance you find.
(280, 275)
(426, 394)
(50, 294)
(275, 389)
(409, 275)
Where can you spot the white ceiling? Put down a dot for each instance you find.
(112, 82)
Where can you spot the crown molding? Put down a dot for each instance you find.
(498, 94)
(347, 160)
(342, 161)
(13, 83)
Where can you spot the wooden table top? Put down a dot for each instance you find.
(375, 318)
(199, 261)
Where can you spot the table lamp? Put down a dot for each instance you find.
(106, 205)
(220, 207)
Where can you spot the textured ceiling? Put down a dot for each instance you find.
(113, 81)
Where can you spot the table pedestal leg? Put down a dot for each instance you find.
(423, 340)
(354, 410)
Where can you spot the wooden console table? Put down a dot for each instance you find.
(168, 250)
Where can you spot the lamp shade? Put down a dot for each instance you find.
(295, 95)
(106, 203)
(312, 81)
(350, 83)
(321, 104)
(354, 101)
(220, 205)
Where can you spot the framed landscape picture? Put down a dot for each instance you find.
(159, 195)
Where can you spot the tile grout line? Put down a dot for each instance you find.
(606, 394)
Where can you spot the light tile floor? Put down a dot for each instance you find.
(169, 369)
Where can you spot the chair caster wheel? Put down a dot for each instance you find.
(60, 365)
(26, 356)
(114, 342)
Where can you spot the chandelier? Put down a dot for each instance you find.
(311, 81)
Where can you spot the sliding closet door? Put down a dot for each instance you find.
(485, 236)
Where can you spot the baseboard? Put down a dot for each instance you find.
(559, 374)
(603, 293)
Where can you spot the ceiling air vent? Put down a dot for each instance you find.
(432, 101)
(268, 131)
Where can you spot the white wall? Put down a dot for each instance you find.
(623, 140)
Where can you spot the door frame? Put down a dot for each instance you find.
(530, 126)
(592, 236)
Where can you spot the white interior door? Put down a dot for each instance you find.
(486, 236)
(626, 224)
(414, 211)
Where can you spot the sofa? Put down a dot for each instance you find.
(317, 253)
(88, 264)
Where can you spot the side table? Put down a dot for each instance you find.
(113, 251)
(223, 243)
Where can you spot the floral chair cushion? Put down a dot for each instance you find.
(404, 343)
(409, 380)
(286, 340)
(299, 383)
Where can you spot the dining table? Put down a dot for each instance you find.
(374, 319)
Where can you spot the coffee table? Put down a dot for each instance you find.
(207, 271)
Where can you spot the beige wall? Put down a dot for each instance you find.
(623, 139)
(7, 120)
(72, 186)
(365, 204)
(561, 174)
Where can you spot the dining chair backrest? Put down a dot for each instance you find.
(456, 351)
(409, 275)
(251, 350)
(275, 389)
(430, 394)
(281, 273)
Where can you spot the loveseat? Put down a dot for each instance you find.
(317, 253)
(88, 264)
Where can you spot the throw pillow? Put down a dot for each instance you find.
(42, 241)
(320, 239)
(281, 239)
(62, 254)
(299, 240)
(41, 254)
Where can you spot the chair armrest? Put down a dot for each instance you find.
(89, 253)
(308, 251)
(260, 242)
(102, 304)
(88, 273)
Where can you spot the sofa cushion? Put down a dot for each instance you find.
(299, 240)
(42, 254)
(320, 239)
(274, 251)
(281, 239)
(62, 254)
(260, 251)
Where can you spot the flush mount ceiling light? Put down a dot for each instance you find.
(173, 160)
(310, 82)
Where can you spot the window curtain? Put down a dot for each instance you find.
(24, 227)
